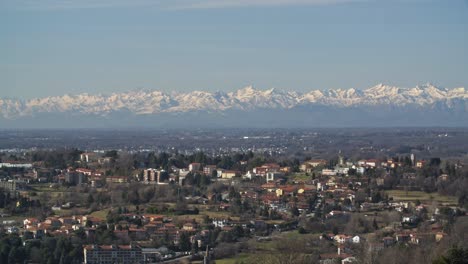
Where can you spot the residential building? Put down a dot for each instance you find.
(229, 174)
(10, 187)
(152, 175)
(109, 254)
(273, 176)
(208, 169)
(13, 164)
(193, 167)
(89, 157)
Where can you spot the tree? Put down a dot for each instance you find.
(301, 230)
(295, 211)
(12, 257)
(184, 242)
(111, 154)
(434, 162)
(455, 255)
(90, 199)
(375, 225)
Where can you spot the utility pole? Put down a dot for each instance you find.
(206, 258)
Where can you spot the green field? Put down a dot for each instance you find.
(45, 187)
(270, 249)
(102, 214)
(299, 177)
(411, 196)
(243, 257)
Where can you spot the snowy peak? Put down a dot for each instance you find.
(382, 90)
(147, 102)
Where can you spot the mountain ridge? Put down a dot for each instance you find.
(377, 106)
(144, 102)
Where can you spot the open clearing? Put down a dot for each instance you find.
(401, 195)
(240, 258)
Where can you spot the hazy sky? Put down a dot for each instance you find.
(52, 47)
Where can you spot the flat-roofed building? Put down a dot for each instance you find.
(109, 254)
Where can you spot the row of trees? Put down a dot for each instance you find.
(49, 250)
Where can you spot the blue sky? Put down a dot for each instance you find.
(52, 47)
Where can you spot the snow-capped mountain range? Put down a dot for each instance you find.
(146, 102)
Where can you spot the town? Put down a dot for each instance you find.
(73, 206)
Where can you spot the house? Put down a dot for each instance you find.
(260, 171)
(418, 238)
(272, 166)
(220, 223)
(88, 157)
(153, 218)
(53, 222)
(67, 220)
(341, 170)
(195, 166)
(349, 260)
(372, 163)
(273, 176)
(286, 190)
(270, 186)
(443, 177)
(84, 171)
(28, 222)
(388, 241)
(264, 169)
(249, 175)
(104, 160)
(228, 174)
(356, 239)
(420, 163)
(439, 236)
(208, 169)
(341, 239)
(189, 226)
(410, 220)
(316, 162)
(360, 170)
(402, 237)
(306, 167)
(286, 170)
(37, 233)
(328, 172)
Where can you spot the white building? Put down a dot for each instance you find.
(15, 165)
(328, 172)
(249, 175)
(273, 176)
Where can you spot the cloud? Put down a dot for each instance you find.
(160, 4)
